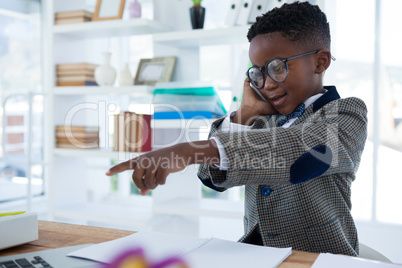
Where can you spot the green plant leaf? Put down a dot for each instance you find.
(196, 2)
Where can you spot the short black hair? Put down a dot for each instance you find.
(300, 22)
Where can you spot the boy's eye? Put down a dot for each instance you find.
(276, 66)
(255, 74)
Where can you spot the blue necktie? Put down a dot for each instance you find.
(296, 113)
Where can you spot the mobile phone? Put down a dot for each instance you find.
(258, 93)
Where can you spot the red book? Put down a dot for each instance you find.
(146, 142)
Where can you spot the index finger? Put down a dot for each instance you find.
(123, 166)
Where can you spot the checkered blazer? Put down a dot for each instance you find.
(297, 180)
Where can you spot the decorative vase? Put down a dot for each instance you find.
(197, 16)
(125, 77)
(135, 9)
(105, 74)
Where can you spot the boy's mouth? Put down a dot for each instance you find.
(277, 99)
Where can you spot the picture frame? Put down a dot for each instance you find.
(108, 10)
(152, 71)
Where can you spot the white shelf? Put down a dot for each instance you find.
(109, 28)
(196, 38)
(139, 217)
(97, 153)
(204, 207)
(96, 90)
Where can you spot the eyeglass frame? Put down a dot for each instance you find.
(285, 61)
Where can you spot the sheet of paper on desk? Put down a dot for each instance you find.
(198, 252)
(223, 253)
(156, 246)
(328, 260)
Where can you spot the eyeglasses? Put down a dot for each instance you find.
(276, 68)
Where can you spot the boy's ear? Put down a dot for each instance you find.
(323, 60)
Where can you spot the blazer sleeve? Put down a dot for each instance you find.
(205, 172)
(329, 141)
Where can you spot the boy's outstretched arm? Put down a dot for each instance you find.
(151, 169)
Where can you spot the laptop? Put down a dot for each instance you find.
(49, 258)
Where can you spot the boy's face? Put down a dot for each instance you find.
(302, 81)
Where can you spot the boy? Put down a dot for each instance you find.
(296, 148)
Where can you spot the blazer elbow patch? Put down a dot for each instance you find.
(311, 164)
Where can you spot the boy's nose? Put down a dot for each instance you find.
(269, 83)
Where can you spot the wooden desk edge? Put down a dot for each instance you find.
(55, 235)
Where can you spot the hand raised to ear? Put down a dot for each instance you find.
(252, 106)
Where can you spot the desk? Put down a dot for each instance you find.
(55, 235)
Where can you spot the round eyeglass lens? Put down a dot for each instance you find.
(277, 70)
(256, 77)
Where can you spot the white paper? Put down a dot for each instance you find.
(328, 260)
(223, 253)
(156, 246)
(197, 252)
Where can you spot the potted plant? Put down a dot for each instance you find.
(197, 15)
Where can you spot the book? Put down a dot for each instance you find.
(77, 83)
(73, 13)
(119, 132)
(115, 134)
(76, 78)
(146, 143)
(73, 66)
(185, 115)
(71, 20)
(81, 135)
(132, 132)
(90, 145)
(74, 129)
(139, 138)
(78, 71)
(72, 139)
(127, 122)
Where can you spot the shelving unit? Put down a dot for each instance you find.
(66, 169)
(95, 90)
(109, 28)
(197, 38)
(94, 153)
(108, 214)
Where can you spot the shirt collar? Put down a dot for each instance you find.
(327, 97)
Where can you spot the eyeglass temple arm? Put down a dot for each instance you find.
(305, 54)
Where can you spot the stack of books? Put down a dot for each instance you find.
(132, 132)
(76, 74)
(76, 16)
(77, 137)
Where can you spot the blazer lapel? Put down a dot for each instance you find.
(329, 96)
